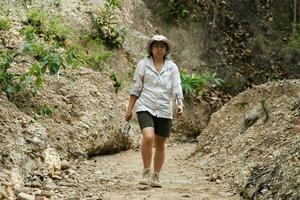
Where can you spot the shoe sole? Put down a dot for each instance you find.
(156, 186)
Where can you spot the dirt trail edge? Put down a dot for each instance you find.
(115, 177)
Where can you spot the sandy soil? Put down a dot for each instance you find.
(115, 177)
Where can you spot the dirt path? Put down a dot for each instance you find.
(115, 177)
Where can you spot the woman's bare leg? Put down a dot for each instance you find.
(146, 149)
(159, 155)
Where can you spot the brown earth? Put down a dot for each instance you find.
(115, 177)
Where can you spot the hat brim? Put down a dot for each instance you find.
(165, 40)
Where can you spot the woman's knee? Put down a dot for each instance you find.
(148, 136)
(147, 140)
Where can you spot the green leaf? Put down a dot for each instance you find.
(39, 82)
(13, 88)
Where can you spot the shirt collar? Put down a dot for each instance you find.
(150, 64)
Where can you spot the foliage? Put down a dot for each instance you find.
(98, 61)
(46, 47)
(56, 30)
(180, 9)
(36, 18)
(50, 28)
(46, 111)
(75, 56)
(176, 8)
(6, 77)
(294, 44)
(114, 3)
(29, 32)
(5, 24)
(50, 59)
(97, 55)
(106, 25)
(194, 84)
(117, 83)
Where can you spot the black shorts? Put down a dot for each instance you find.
(162, 126)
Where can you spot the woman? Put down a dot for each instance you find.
(155, 83)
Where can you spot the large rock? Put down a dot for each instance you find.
(251, 142)
(77, 114)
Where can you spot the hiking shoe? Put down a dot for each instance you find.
(155, 181)
(145, 180)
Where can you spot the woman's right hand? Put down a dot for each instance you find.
(128, 115)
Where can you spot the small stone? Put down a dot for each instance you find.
(36, 141)
(24, 196)
(22, 189)
(186, 195)
(46, 194)
(143, 187)
(65, 165)
(49, 185)
(36, 184)
(56, 177)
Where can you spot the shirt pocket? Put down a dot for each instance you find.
(150, 77)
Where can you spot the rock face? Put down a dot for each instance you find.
(87, 120)
(252, 144)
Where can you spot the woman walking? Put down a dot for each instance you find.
(156, 82)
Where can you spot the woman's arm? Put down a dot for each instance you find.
(129, 113)
(177, 91)
(136, 88)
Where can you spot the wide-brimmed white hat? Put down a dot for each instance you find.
(159, 38)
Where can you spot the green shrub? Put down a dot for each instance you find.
(75, 56)
(5, 24)
(117, 82)
(114, 3)
(29, 32)
(294, 44)
(35, 49)
(176, 8)
(193, 84)
(36, 18)
(56, 30)
(49, 60)
(96, 53)
(34, 78)
(50, 27)
(6, 77)
(106, 25)
(46, 111)
(97, 62)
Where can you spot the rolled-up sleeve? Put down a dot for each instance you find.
(177, 88)
(137, 83)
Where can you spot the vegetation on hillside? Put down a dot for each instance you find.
(247, 43)
(48, 45)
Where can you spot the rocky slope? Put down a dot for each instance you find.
(251, 142)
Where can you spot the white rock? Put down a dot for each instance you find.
(24, 196)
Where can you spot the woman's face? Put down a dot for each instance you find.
(159, 49)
